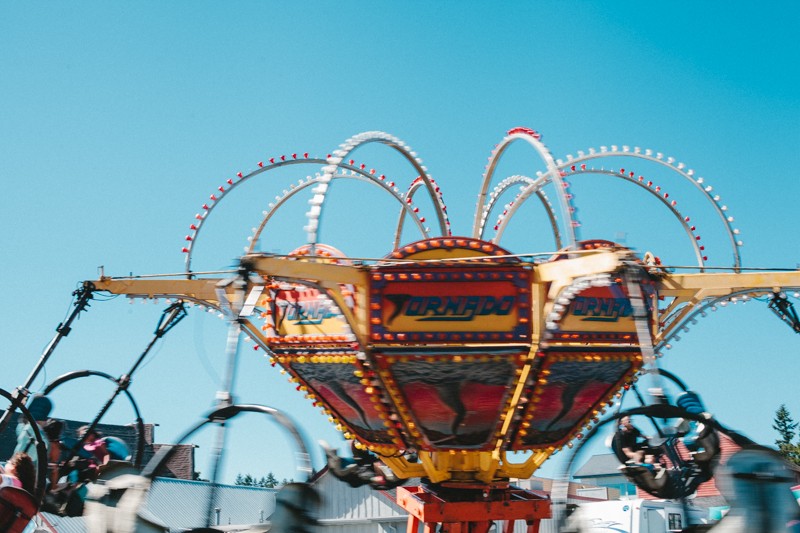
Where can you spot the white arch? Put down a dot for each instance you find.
(670, 163)
(223, 191)
(360, 175)
(416, 185)
(335, 161)
(503, 221)
(553, 173)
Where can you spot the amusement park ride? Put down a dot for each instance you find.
(451, 352)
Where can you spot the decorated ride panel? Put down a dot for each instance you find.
(299, 314)
(601, 313)
(597, 309)
(451, 401)
(571, 388)
(450, 325)
(339, 381)
(310, 338)
(590, 350)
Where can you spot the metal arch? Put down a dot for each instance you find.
(681, 219)
(348, 147)
(686, 175)
(232, 185)
(41, 449)
(221, 415)
(534, 186)
(660, 373)
(415, 185)
(552, 171)
(78, 374)
(364, 176)
(499, 189)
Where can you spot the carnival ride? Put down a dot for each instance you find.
(451, 352)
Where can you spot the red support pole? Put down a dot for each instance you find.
(533, 526)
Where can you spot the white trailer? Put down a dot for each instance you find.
(634, 516)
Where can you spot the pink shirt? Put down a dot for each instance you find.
(9, 481)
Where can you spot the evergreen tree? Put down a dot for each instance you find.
(268, 481)
(786, 426)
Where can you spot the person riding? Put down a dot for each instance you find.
(632, 443)
(39, 408)
(365, 468)
(94, 452)
(19, 472)
(53, 429)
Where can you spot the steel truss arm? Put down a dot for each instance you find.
(202, 291)
(690, 290)
(326, 276)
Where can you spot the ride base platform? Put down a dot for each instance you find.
(465, 510)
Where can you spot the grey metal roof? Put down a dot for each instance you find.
(46, 522)
(183, 504)
(605, 464)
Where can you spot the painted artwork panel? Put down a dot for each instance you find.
(343, 393)
(455, 404)
(572, 390)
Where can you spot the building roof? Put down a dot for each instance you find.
(183, 504)
(605, 464)
(361, 504)
(180, 464)
(544, 487)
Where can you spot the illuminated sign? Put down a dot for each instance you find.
(299, 311)
(305, 313)
(449, 308)
(601, 309)
(604, 311)
(309, 307)
(443, 304)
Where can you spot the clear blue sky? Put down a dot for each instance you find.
(119, 119)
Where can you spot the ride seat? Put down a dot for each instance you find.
(17, 509)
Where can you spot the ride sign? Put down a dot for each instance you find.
(445, 304)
